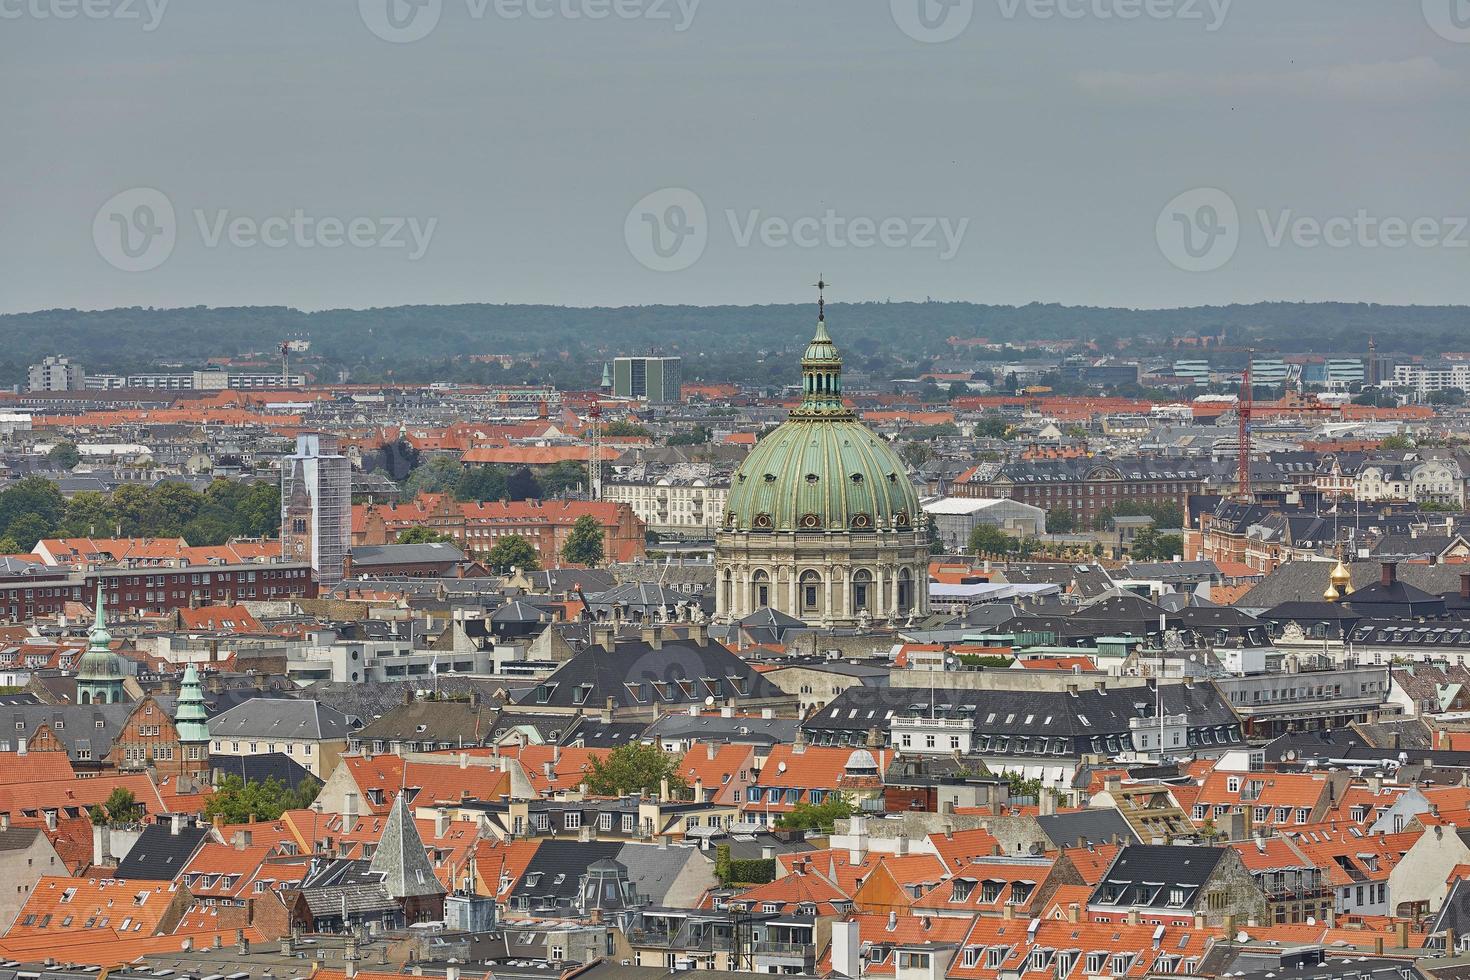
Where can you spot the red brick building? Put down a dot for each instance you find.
(154, 588)
(476, 527)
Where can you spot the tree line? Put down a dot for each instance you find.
(34, 508)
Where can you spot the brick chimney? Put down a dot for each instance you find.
(1390, 573)
(1465, 586)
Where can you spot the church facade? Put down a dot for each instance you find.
(821, 521)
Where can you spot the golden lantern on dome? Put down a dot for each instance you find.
(1342, 579)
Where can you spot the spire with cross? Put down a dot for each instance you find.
(821, 285)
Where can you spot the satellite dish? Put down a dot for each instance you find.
(781, 767)
(1242, 937)
(709, 701)
(1311, 920)
(1291, 755)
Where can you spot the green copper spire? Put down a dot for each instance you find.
(99, 673)
(189, 716)
(821, 370)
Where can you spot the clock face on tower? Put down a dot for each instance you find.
(300, 548)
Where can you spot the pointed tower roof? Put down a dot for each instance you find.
(99, 663)
(401, 858)
(190, 716)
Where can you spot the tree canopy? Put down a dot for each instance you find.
(513, 551)
(584, 543)
(634, 768)
(236, 800)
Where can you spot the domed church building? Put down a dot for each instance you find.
(821, 522)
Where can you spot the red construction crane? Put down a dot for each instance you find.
(1243, 413)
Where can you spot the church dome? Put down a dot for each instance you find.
(821, 469)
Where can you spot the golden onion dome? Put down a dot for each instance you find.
(1342, 579)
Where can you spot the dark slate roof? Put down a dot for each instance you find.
(405, 554)
(559, 581)
(18, 838)
(706, 728)
(594, 733)
(674, 674)
(1099, 826)
(86, 731)
(1307, 580)
(457, 722)
(373, 699)
(268, 718)
(160, 854)
(1146, 872)
(258, 768)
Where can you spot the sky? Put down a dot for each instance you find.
(363, 153)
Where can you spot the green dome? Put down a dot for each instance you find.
(821, 469)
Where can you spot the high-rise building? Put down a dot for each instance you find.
(316, 506)
(653, 379)
(56, 374)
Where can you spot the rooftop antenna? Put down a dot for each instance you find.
(1243, 440)
(594, 462)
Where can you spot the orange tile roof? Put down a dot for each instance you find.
(434, 781)
(68, 906)
(964, 847)
(34, 767)
(78, 794)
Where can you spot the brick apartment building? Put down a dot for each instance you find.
(152, 588)
(476, 527)
(1086, 487)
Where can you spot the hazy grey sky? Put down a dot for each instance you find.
(531, 150)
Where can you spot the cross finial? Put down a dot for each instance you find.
(821, 285)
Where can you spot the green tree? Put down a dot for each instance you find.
(1397, 444)
(523, 485)
(34, 497)
(697, 436)
(987, 539)
(419, 534)
(916, 454)
(1059, 520)
(991, 425)
(481, 483)
(634, 768)
(513, 551)
(119, 809)
(1150, 545)
(821, 816)
(625, 429)
(558, 478)
(64, 455)
(236, 801)
(584, 543)
(441, 474)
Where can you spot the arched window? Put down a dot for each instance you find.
(862, 590)
(760, 589)
(811, 592)
(729, 589)
(905, 590)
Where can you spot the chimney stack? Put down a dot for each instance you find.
(1390, 573)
